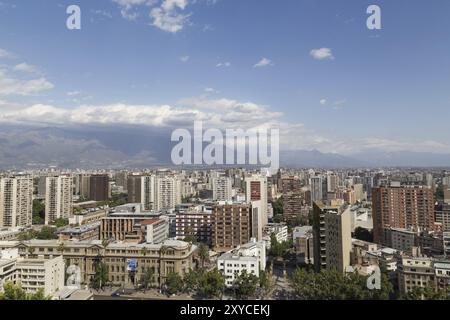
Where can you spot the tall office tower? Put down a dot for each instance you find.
(121, 179)
(316, 189)
(231, 226)
(58, 198)
(134, 186)
(332, 236)
(167, 192)
(256, 194)
(221, 187)
(16, 201)
(292, 197)
(401, 207)
(99, 187)
(85, 186)
(332, 182)
(148, 192)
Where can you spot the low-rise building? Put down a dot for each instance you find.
(303, 240)
(81, 233)
(85, 255)
(250, 257)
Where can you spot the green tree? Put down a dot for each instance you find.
(38, 212)
(100, 278)
(13, 291)
(266, 283)
(334, 285)
(191, 280)
(245, 285)
(430, 292)
(203, 253)
(147, 278)
(60, 222)
(174, 283)
(47, 233)
(363, 234)
(212, 284)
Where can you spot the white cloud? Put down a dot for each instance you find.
(25, 67)
(184, 59)
(127, 7)
(73, 93)
(322, 54)
(323, 102)
(168, 18)
(211, 90)
(5, 54)
(223, 64)
(264, 62)
(12, 86)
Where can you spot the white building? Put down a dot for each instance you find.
(58, 198)
(168, 193)
(32, 274)
(250, 257)
(279, 229)
(16, 202)
(221, 187)
(155, 230)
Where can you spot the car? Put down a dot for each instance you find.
(115, 294)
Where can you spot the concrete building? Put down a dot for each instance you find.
(280, 230)
(303, 241)
(316, 184)
(442, 213)
(415, 271)
(250, 257)
(196, 222)
(80, 233)
(256, 194)
(155, 230)
(332, 236)
(178, 257)
(16, 202)
(338, 239)
(231, 226)
(402, 207)
(99, 187)
(31, 274)
(168, 193)
(58, 198)
(293, 197)
(221, 188)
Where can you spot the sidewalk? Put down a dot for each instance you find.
(152, 294)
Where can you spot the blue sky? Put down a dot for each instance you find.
(387, 89)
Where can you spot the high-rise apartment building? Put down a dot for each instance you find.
(256, 195)
(402, 207)
(293, 197)
(168, 192)
(58, 198)
(332, 236)
(231, 226)
(99, 187)
(221, 187)
(16, 201)
(316, 189)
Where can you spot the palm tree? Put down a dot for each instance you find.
(144, 251)
(61, 247)
(162, 252)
